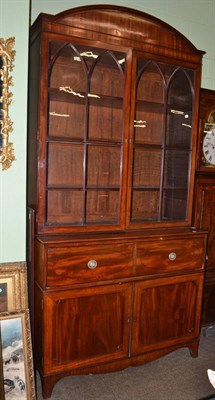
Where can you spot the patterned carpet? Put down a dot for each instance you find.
(176, 376)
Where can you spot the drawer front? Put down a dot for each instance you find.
(170, 255)
(70, 265)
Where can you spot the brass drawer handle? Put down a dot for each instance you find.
(92, 264)
(172, 256)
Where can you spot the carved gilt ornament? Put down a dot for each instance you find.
(7, 55)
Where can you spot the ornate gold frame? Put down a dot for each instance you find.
(7, 55)
(14, 276)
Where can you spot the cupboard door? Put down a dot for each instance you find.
(161, 154)
(204, 218)
(166, 311)
(86, 326)
(85, 136)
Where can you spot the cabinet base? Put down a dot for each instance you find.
(48, 381)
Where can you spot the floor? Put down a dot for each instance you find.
(176, 376)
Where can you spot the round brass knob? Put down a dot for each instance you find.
(172, 256)
(92, 264)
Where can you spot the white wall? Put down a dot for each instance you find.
(14, 21)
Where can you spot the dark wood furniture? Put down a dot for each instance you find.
(204, 215)
(113, 113)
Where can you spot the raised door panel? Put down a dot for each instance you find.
(86, 326)
(166, 312)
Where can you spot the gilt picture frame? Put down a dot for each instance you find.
(16, 354)
(13, 287)
(7, 56)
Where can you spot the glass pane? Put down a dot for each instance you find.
(107, 77)
(191, 74)
(174, 205)
(91, 56)
(148, 123)
(150, 85)
(67, 92)
(103, 167)
(65, 164)
(106, 119)
(106, 98)
(65, 206)
(179, 128)
(103, 206)
(147, 167)
(145, 205)
(180, 103)
(176, 169)
(167, 71)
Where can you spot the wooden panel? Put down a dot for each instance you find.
(208, 306)
(204, 218)
(69, 265)
(166, 311)
(204, 215)
(155, 257)
(40, 263)
(81, 328)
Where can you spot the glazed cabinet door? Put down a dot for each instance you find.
(166, 311)
(161, 144)
(86, 326)
(85, 134)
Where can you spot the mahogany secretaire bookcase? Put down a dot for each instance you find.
(118, 269)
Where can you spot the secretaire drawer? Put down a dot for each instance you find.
(169, 255)
(70, 265)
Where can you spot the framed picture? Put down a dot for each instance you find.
(16, 352)
(13, 286)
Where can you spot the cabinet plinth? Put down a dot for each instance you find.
(118, 270)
